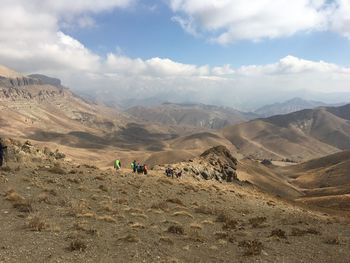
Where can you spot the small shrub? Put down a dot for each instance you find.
(37, 223)
(204, 210)
(176, 229)
(57, 170)
(230, 224)
(302, 232)
(23, 206)
(278, 233)
(332, 241)
(257, 221)
(103, 188)
(160, 205)
(131, 238)
(77, 244)
(251, 248)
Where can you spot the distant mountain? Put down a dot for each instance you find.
(197, 115)
(295, 104)
(298, 136)
(38, 106)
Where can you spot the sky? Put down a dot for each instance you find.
(230, 52)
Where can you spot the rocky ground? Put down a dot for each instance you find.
(52, 210)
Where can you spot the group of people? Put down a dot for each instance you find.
(135, 166)
(170, 172)
(138, 168)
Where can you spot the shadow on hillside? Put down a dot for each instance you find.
(132, 137)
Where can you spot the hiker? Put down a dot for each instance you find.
(139, 169)
(2, 148)
(117, 164)
(145, 169)
(169, 172)
(178, 174)
(134, 166)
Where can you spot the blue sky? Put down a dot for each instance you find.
(145, 32)
(253, 52)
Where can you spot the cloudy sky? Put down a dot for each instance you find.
(230, 52)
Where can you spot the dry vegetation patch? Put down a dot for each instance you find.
(278, 233)
(77, 244)
(131, 238)
(176, 229)
(257, 222)
(37, 222)
(303, 232)
(251, 248)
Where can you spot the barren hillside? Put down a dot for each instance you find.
(297, 136)
(197, 115)
(59, 211)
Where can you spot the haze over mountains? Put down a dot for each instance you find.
(292, 105)
(198, 115)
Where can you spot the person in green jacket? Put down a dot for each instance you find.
(117, 164)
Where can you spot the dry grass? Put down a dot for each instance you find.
(332, 241)
(257, 222)
(141, 215)
(43, 198)
(106, 218)
(303, 232)
(77, 245)
(230, 224)
(251, 248)
(23, 206)
(196, 226)
(137, 226)
(106, 206)
(166, 240)
(195, 236)
(183, 213)
(57, 170)
(86, 215)
(103, 188)
(221, 235)
(37, 222)
(278, 233)
(131, 238)
(12, 196)
(205, 210)
(165, 181)
(83, 226)
(74, 180)
(160, 205)
(175, 201)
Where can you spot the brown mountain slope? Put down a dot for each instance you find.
(324, 181)
(198, 115)
(298, 136)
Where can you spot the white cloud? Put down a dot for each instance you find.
(31, 41)
(227, 21)
(340, 17)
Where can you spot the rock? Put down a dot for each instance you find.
(266, 162)
(205, 175)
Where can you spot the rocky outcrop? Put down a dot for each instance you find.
(27, 152)
(216, 163)
(18, 82)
